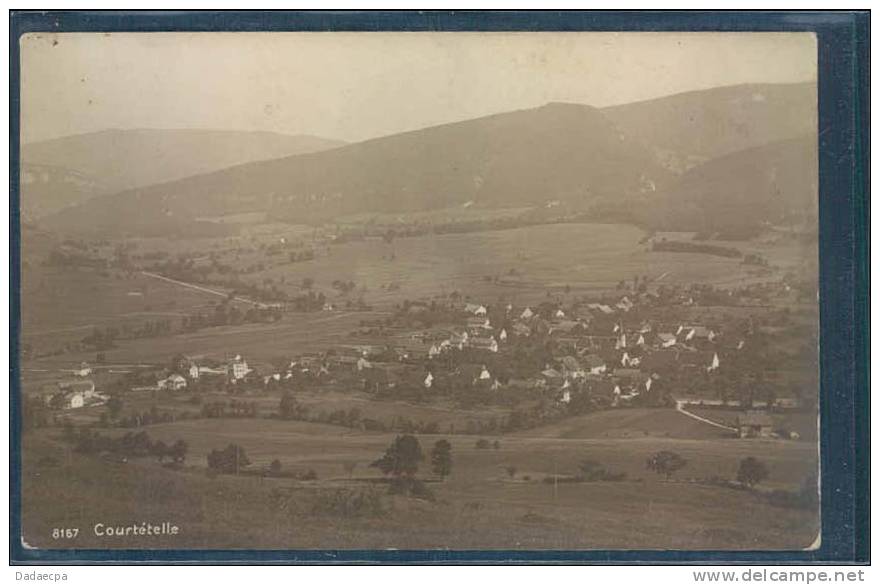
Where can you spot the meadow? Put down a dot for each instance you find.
(530, 263)
(493, 499)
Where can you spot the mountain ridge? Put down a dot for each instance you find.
(560, 151)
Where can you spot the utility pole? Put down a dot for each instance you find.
(555, 479)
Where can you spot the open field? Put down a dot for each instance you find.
(61, 305)
(587, 257)
(479, 506)
(538, 452)
(803, 423)
(64, 305)
(631, 423)
(295, 333)
(444, 414)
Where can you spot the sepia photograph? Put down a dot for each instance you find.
(486, 291)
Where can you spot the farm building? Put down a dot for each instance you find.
(69, 400)
(172, 382)
(74, 394)
(755, 423)
(475, 309)
(479, 323)
(485, 343)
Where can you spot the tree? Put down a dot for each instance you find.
(275, 467)
(441, 458)
(308, 283)
(511, 470)
(160, 450)
(287, 406)
(401, 458)
(751, 472)
(666, 463)
(114, 406)
(178, 451)
(230, 460)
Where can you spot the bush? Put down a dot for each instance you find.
(595, 471)
(232, 459)
(348, 503)
(406, 486)
(751, 472)
(482, 444)
(666, 463)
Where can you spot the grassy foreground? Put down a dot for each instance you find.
(480, 506)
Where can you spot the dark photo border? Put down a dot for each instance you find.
(844, 175)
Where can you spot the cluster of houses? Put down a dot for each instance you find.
(610, 349)
(66, 395)
(598, 346)
(188, 371)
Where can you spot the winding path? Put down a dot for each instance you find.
(679, 406)
(199, 288)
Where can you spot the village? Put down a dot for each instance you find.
(638, 347)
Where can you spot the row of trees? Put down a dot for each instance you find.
(750, 473)
(401, 459)
(139, 444)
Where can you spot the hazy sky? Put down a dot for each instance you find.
(354, 86)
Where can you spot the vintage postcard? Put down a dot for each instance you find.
(419, 291)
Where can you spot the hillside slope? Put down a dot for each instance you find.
(775, 183)
(99, 163)
(690, 128)
(565, 152)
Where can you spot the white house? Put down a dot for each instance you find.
(473, 309)
(715, 363)
(527, 314)
(193, 372)
(429, 380)
(238, 368)
(83, 371)
(73, 400)
(172, 382)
